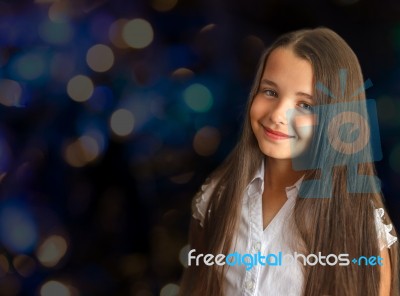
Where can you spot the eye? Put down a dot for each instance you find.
(306, 107)
(269, 92)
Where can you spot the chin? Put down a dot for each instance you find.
(275, 155)
(275, 152)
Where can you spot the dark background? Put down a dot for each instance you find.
(85, 211)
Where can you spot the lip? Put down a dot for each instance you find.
(275, 135)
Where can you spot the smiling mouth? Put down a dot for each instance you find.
(275, 135)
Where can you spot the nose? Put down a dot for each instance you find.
(279, 113)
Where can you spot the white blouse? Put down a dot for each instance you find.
(275, 238)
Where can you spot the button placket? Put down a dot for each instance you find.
(254, 246)
(250, 285)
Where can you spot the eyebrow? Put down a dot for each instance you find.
(299, 93)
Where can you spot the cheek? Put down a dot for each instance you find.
(304, 125)
(253, 112)
(256, 110)
(305, 132)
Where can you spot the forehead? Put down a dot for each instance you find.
(285, 68)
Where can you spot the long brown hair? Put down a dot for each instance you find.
(343, 223)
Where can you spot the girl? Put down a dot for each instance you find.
(256, 202)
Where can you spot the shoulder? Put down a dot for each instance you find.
(201, 200)
(385, 238)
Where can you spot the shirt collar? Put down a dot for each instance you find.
(293, 191)
(256, 184)
(259, 173)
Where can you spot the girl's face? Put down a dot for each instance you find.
(281, 113)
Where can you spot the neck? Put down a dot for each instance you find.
(279, 174)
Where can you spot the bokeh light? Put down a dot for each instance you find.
(100, 58)
(122, 122)
(30, 66)
(17, 229)
(56, 32)
(183, 255)
(93, 133)
(10, 93)
(138, 33)
(182, 178)
(115, 33)
(206, 141)
(251, 48)
(207, 28)
(80, 88)
(4, 265)
(52, 288)
(59, 11)
(163, 5)
(52, 250)
(24, 265)
(90, 146)
(82, 151)
(198, 97)
(253, 43)
(169, 290)
(2, 176)
(182, 74)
